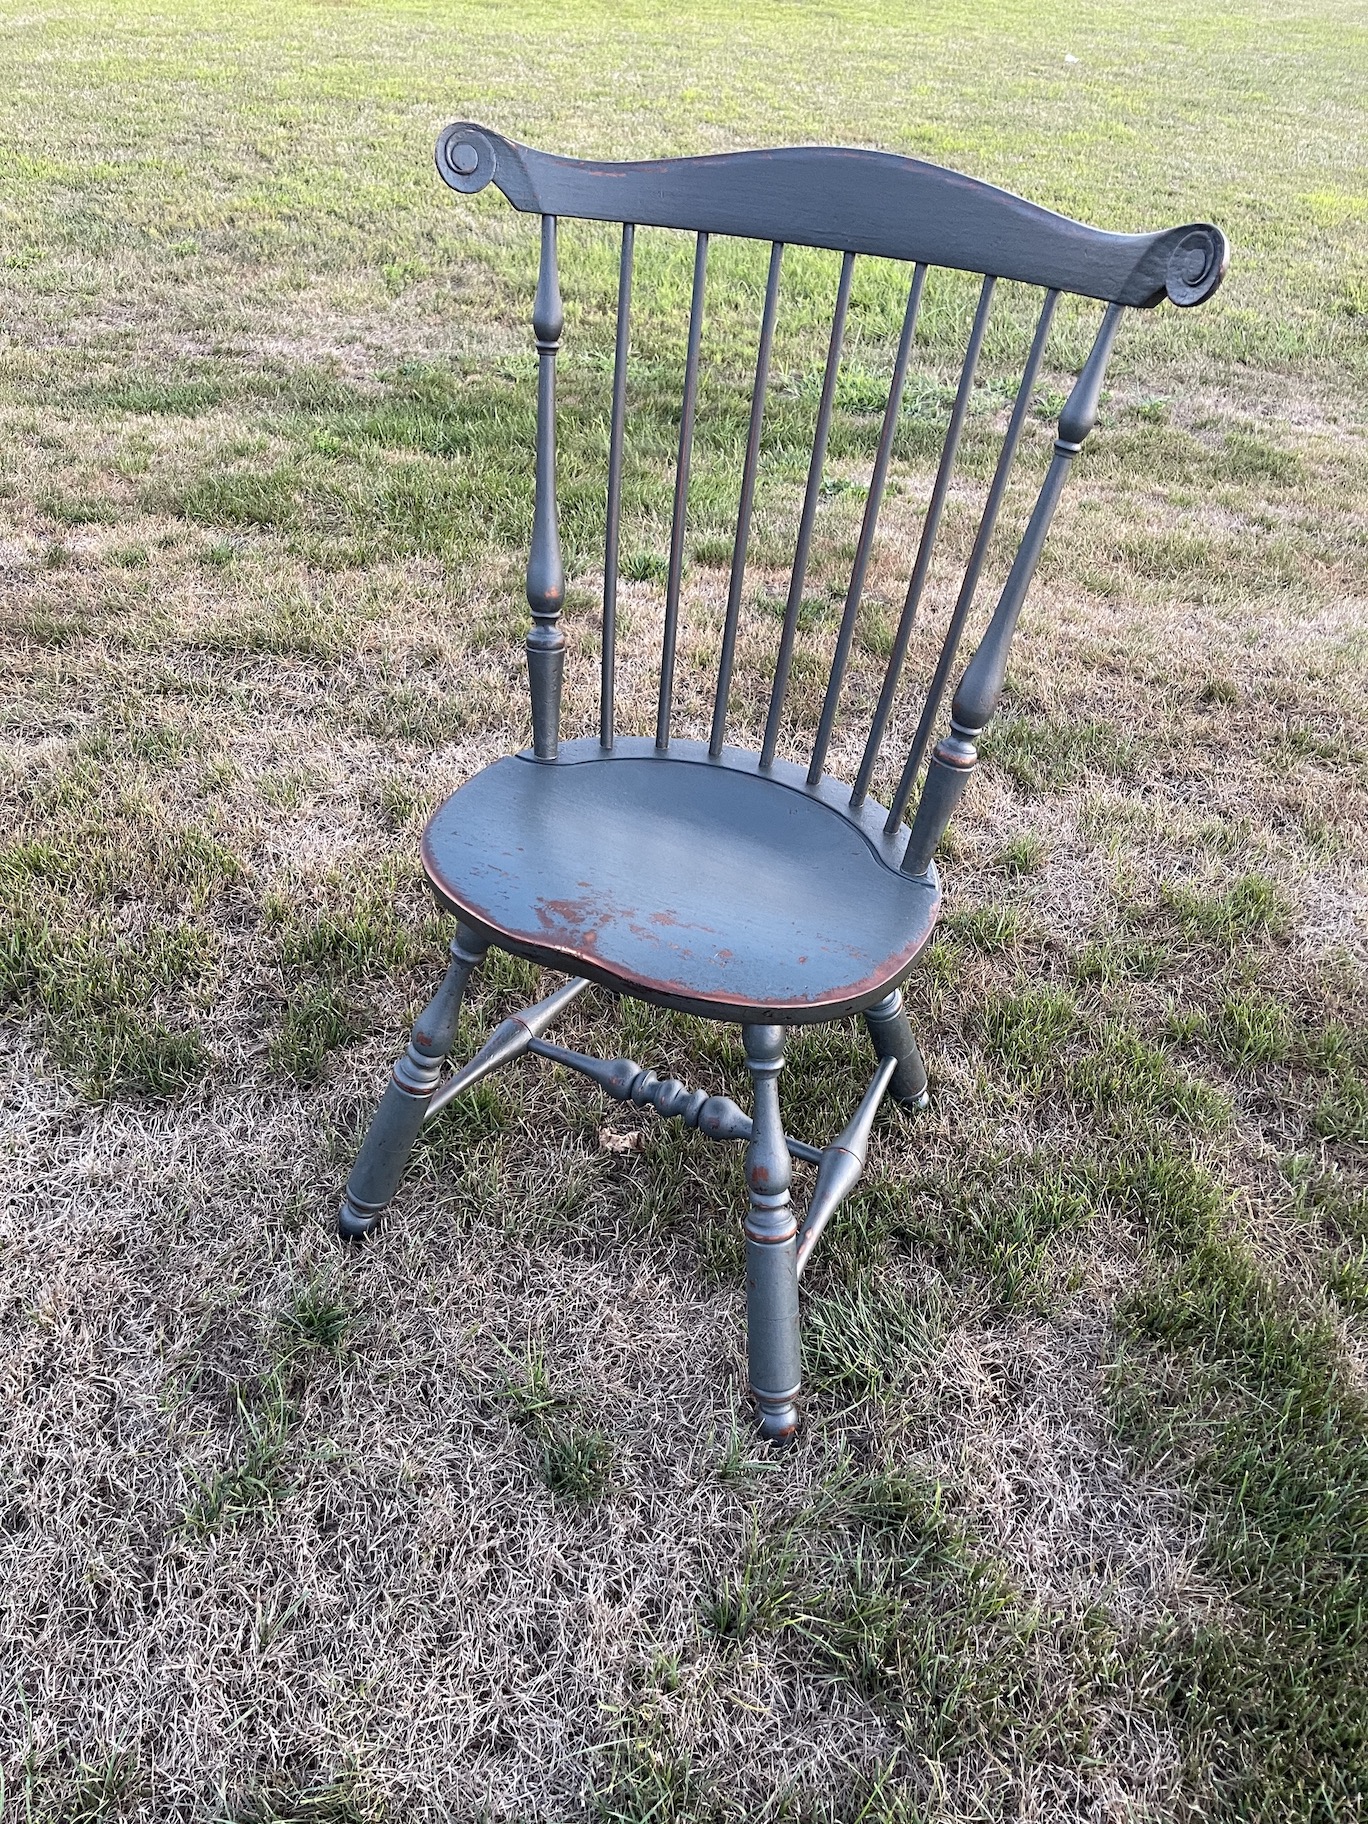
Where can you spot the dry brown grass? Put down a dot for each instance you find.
(406, 1597)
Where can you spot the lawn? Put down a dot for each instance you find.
(471, 1524)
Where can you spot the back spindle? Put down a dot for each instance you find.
(798, 576)
(613, 518)
(969, 586)
(545, 571)
(681, 496)
(981, 686)
(868, 527)
(925, 548)
(747, 502)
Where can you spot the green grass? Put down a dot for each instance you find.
(1004, 1231)
(992, 930)
(1043, 753)
(97, 994)
(868, 1339)
(315, 1318)
(255, 1482)
(878, 1587)
(87, 1792)
(1250, 1028)
(1022, 1033)
(1249, 908)
(574, 1460)
(1024, 854)
(1125, 1082)
(575, 1464)
(1271, 1437)
(318, 1020)
(1116, 959)
(342, 1800)
(1040, 1038)
(1343, 1113)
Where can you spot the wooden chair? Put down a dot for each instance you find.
(738, 885)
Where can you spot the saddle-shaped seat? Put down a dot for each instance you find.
(702, 884)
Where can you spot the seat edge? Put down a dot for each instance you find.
(855, 999)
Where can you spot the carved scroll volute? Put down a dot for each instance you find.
(545, 572)
(955, 757)
(1196, 266)
(465, 158)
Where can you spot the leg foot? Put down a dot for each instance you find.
(394, 1126)
(891, 1036)
(775, 1369)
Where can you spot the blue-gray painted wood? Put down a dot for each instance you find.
(842, 1164)
(774, 1366)
(869, 525)
(688, 407)
(508, 1041)
(395, 1125)
(613, 511)
(691, 882)
(854, 201)
(716, 1117)
(743, 511)
(987, 523)
(925, 547)
(783, 663)
(981, 686)
(545, 571)
(890, 1033)
(730, 884)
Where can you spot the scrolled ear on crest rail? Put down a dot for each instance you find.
(1184, 266)
(465, 157)
(1196, 265)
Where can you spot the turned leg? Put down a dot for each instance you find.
(394, 1127)
(771, 1246)
(891, 1037)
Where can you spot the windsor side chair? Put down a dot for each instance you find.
(732, 884)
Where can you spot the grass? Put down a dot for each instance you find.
(254, 1482)
(1270, 1432)
(1043, 753)
(1024, 854)
(316, 1319)
(1249, 907)
(473, 1524)
(573, 1460)
(343, 1799)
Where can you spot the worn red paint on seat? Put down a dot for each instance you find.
(700, 884)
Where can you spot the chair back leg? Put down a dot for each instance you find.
(891, 1036)
(772, 1343)
(394, 1127)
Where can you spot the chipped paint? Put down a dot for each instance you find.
(815, 923)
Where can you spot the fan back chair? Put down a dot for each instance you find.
(737, 885)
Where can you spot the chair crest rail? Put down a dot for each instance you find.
(853, 200)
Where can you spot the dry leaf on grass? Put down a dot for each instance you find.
(611, 1141)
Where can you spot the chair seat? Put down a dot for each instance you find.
(694, 883)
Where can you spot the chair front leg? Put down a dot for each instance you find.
(394, 1127)
(772, 1346)
(891, 1036)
